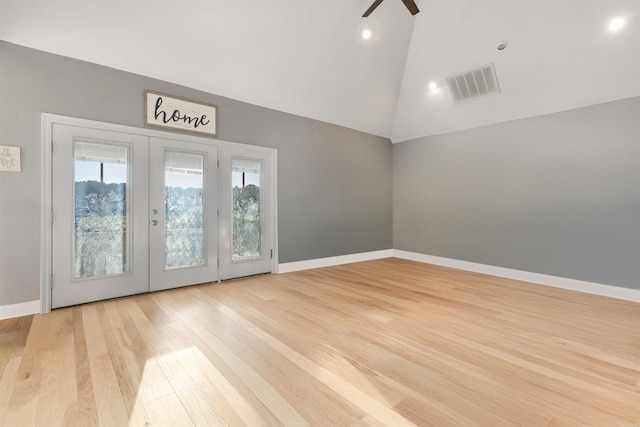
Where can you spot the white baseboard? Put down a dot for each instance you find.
(526, 276)
(288, 267)
(20, 309)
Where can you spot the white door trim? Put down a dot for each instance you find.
(47, 120)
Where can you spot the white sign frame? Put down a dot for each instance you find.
(181, 114)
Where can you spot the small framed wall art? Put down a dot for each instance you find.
(9, 159)
(182, 114)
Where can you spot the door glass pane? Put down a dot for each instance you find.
(101, 239)
(184, 210)
(245, 216)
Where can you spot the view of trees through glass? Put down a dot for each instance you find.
(184, 227)
(101, 210)
(246, 210)
(184, 210)
(100, 224)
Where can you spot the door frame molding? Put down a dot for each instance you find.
(47, 120)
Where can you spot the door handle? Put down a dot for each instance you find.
(154, 222)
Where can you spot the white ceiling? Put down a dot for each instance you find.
(560, 55)
(307, 57)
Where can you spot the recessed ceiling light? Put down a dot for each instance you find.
(432, 86)
(616, 24)
(366, 34)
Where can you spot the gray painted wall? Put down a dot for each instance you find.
(334, 184)
(557, 194)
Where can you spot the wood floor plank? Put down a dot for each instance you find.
(191, 395)
(43, 334)
(310, 396)
(168, 411)
(233, 408)
(110, 407)
(23, 403)
(145, 375)
(129, 369)
(13, 338)
(264, 391)
(335, 382)
(7, 381)
(381, 343)
(226, 391)
(58, 393)
(85, 412)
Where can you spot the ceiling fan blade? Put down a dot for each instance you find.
(372, 8)
(411, 5)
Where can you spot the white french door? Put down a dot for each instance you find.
(134, 210)
(247, 213)
(99, 213)
(183, 234)
(117, 232)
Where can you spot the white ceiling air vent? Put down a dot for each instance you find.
(472, 84)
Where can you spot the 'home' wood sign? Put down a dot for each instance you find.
(173, 112)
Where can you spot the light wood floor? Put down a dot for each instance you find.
(382, 343)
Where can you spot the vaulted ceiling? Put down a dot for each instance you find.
(308, 57)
